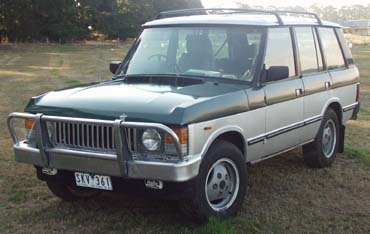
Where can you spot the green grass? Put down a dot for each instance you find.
(217, 226)
(358, 153)
(284, 196)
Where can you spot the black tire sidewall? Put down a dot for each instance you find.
(219, 150)
(323, 160)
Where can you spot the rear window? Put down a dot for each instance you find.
(332, 51)
(279, 51)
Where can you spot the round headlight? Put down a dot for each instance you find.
(151, 139)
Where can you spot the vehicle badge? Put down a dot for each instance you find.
(123, 117)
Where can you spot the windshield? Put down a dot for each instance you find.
(226, 52)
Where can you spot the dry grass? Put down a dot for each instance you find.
(358, 39)
(284, 196)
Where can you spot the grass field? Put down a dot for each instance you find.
(284, 195)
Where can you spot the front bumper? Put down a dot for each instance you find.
(118, 164)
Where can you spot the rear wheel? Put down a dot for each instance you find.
(322, 152)
(70, 192)
(220, 187)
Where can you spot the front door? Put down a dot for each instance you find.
(283, 93)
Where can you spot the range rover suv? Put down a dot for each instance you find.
(201, 94)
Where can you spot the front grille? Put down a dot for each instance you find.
(88, 136)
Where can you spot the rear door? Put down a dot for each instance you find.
(316, 80)
(344, 75)
(284, 96)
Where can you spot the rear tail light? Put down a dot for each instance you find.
(358, 93)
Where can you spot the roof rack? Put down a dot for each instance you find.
(302, 13)
(206, 11)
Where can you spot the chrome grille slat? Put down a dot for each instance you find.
(88, 135)
(112, 136)
(107, 137)
(78, 136)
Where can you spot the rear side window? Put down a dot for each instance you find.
(347, 52)
(307, 50)
(279, 51)
(332, 51)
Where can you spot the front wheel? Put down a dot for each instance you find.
(322, 152)
(221, 184)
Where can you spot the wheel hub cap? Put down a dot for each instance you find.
(329, 138)
(222, 184)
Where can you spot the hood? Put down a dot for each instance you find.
(158, 103)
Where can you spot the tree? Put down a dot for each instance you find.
(122, 18)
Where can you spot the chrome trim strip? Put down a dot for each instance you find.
(350, 107)
(280, 152)
(312, 120)
(283, 130)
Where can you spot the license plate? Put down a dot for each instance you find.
(93, 181)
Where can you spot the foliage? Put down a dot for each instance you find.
(331, 13)
(69, 20)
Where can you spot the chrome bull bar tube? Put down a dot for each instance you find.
(122, 154)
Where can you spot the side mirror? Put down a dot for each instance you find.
(113, 66)
(275, 73)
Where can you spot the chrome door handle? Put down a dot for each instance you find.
(299, 92)
(327, 85)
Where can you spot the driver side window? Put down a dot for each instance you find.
(279, 58)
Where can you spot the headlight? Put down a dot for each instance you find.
(151, 139)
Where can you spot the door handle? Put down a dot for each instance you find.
(327, 85)
(299, 92)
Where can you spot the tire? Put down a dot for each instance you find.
(70, 193)
(224, 170)
(323, 151)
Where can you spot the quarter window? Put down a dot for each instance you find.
(347, 52)
(307, 50)
(332, 51)
(279, 51)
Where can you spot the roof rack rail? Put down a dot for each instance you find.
(205, 11)
(319, 21)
